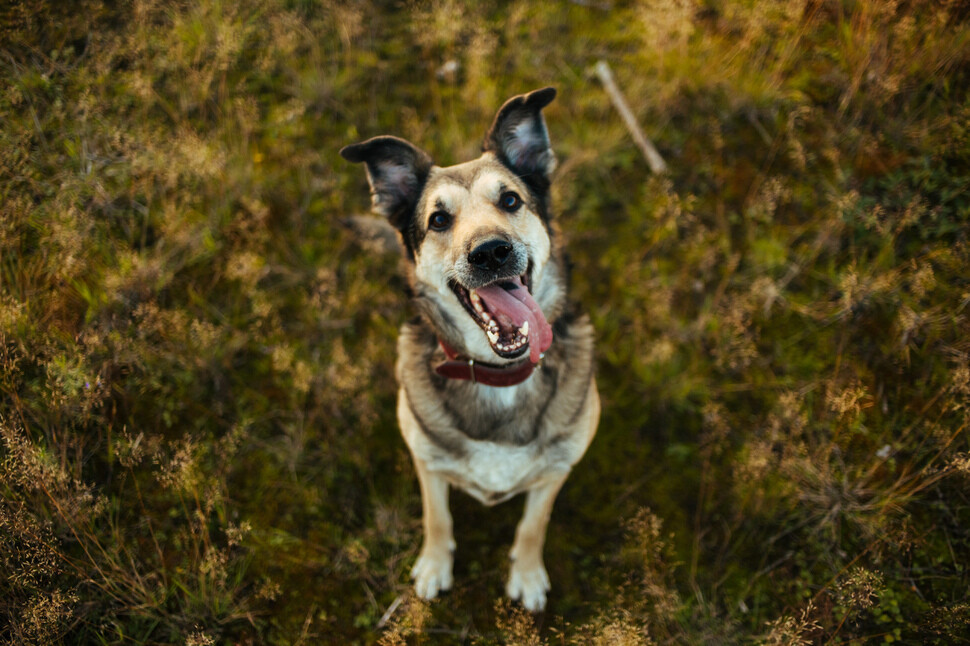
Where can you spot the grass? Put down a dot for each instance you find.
(196, 391)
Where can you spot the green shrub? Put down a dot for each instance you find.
(196, 394)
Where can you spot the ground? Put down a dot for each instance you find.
(196, 389)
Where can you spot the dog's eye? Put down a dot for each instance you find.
(510, 201)
(439, 221)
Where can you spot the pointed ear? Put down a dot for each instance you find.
(396, 170)
(518, 136)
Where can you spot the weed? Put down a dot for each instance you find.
(197, 433)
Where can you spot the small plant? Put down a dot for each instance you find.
(197, 436)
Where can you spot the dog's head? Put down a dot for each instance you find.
(478, 234)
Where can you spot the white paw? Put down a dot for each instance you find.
(528, 585)
(432, 573)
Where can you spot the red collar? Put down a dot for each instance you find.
(482, 373)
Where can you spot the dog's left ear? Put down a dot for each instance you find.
(519, 138)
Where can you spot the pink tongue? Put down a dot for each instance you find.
(518, 306)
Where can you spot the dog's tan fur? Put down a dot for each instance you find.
(491, 442)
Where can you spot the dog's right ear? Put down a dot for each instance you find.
(396, 170)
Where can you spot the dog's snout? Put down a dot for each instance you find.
(491, 255)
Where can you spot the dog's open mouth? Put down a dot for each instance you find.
(510, 317)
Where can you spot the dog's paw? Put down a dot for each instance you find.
(528, 585)
(432, 573)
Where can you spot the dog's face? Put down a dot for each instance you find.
(478, 233)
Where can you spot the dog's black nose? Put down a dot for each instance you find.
(490, 255)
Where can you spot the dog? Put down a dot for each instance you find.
(497, 393)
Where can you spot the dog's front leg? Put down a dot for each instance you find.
(432, 571)
(528, 580)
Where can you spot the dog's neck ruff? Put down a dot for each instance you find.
(458, 367)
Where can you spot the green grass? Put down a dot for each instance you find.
(196, 395)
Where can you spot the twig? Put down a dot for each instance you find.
(654, 160)
(390, 611)
(305, 632)
(604, 6)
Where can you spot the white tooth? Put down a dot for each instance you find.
(475, 298)
(492, 336)
(485, 315)
(524, 330)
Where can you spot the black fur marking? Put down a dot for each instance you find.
(582, 402)
(435, 321)
(551, 375)
(518, 425)
(449, 444)
(520, 140)
(464, 180)
(413, 236)
(397, 171)
(477, 430)
(438, 382)
(560, 327)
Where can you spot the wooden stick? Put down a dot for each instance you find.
(654, 160)
(390, 611)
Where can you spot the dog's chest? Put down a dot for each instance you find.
(502, 399)
(500, 452)
(511, 415)
(492, 472)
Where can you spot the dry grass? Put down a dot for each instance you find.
(197, 438)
